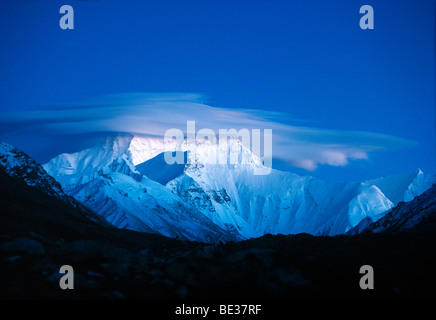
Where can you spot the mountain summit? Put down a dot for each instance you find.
(105, 179)
(127, 181)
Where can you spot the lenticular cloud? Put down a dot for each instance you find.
(149, 114)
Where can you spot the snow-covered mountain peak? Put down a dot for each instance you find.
(404, 187)
(218, 182)
(106, 180)
(123, 153)
(416, 215)
(113, 155)
(201, 152)
(142, 149)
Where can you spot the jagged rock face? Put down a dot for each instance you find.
(227, 198)
(16, 163)
(416, 215)
(105, 179)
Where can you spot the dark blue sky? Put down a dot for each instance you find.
(308, 59)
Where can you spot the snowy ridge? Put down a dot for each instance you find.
(18, 164)
(105, 179)
(418, 214)
(158, 170)
(226, 198)
(404, 187)
(280, 202)
(83, 166)
(146, 206)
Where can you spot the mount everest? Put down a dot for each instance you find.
(127, 181)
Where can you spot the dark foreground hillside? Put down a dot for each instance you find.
(39, 234)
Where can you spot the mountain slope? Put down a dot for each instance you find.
(280, 202)
(158, 170)
(105, 179)
(146, 206)
(404, 187)
(17, 164)
(231, 196)
(39, 233)
(416, 215)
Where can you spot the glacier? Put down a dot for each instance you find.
(126, 180)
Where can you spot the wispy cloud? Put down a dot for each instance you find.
(152, 114)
